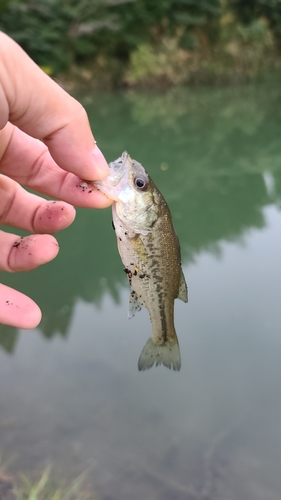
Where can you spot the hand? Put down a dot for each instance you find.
(45, 144)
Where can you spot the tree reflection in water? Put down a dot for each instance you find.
(215, 155)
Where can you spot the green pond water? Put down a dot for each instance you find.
(70, 391)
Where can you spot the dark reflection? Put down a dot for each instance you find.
(215, 155)
(8, 338)
(85, 268)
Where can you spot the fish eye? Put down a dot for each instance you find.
(141, 183)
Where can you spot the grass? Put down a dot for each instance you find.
(45, 488)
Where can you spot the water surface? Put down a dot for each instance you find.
(70, 391)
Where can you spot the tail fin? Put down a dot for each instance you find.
(166, 353)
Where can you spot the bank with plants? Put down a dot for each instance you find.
(140, 43)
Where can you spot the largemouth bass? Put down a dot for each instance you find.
(150, 251)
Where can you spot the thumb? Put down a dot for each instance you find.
(37, 105)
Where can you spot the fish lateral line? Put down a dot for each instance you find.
(150, 251)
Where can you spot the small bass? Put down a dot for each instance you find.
(150, 251)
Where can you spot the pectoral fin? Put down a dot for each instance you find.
(134, 304)
(182, 293)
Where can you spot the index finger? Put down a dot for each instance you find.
(41, 108)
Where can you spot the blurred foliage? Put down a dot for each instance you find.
(46, 489)
(139, 42)
(3, 5)
(167, 63)
(58, 33)
(43, 488)
(248, 10)
(239, 54)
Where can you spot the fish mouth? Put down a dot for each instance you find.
(112, 185)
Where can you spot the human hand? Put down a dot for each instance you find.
(46, 144)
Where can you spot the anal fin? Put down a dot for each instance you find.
(182, 292)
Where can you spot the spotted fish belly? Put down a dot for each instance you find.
(152, 264)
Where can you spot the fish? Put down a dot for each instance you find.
(150, 251)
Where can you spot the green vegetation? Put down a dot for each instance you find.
(45, 488)
(144, 43)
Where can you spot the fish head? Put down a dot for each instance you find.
(134, 193)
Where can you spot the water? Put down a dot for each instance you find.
(70, 391)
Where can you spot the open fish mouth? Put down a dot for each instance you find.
(117, 179)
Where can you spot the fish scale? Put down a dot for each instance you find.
(150, 251)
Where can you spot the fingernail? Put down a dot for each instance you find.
(100, 164)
